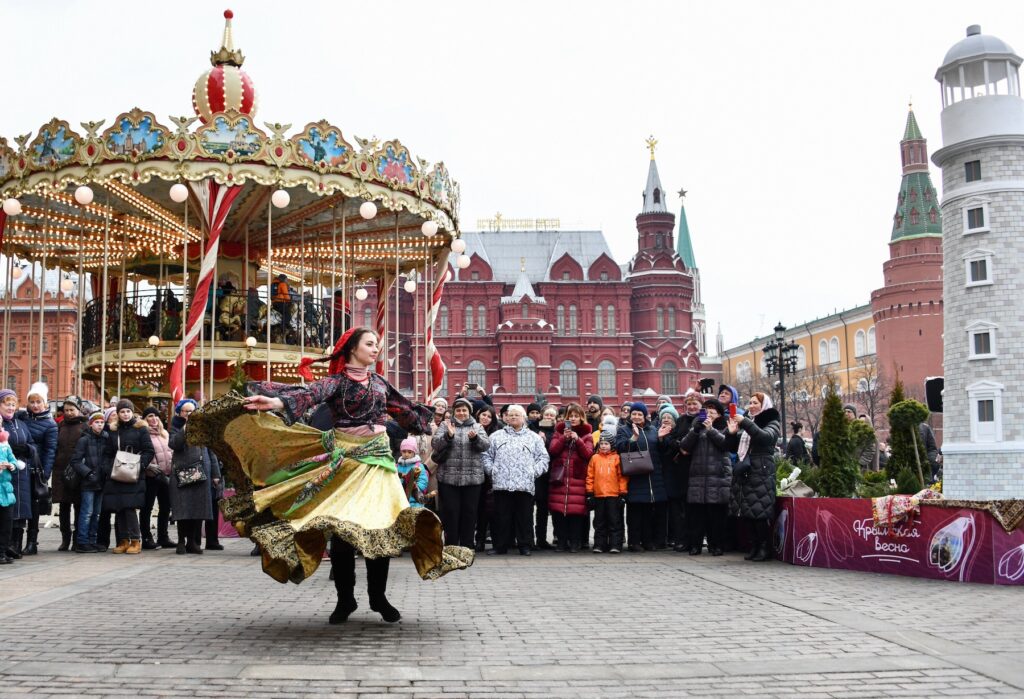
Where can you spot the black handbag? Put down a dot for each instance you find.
(637, 463)
(190, 474)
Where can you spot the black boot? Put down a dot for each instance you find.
(194, 538)
(343, 573)
(377, 585)
(32, 540)
(65, 541)
(15, 549)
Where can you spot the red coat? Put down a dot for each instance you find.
(569, 497)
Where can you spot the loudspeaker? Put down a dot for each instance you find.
(933, 388)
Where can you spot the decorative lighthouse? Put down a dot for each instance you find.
(982, 163)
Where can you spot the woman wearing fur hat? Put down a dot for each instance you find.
(68, 433)
(645, 503)
(43, 429)
(125, 499)
(461, 477)
(191, 502)
(753, 437)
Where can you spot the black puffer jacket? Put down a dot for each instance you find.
(133, 437)
(92, 459)
(465, 462)
(710, 466)
(753, 488)
(675, 460)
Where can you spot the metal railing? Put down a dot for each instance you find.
(232, 316)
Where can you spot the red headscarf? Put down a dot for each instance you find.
(337, 361)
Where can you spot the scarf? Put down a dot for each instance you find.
(745, 436)
(357, 373)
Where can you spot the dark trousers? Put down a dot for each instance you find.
(608, 529)
(126, 525)
(343, 565)
(541, 488)
(6, 527)
(213, 525)
(157, 491)
(571, 530)
(677, 520)
(511, 516)
(762, 534)
(103, 529)
(484, 507)
(645, 524)
(709, 521)
(459, 505)
(190, 531)
(67, 521)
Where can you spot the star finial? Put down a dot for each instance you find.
(682, 194)
(652, 144)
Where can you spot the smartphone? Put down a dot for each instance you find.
(473, 390)
(702, 415)
(732, 410)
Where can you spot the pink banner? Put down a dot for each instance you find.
(943, 544)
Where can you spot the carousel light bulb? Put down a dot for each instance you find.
(16, 272)
(462, 261)
(83, 195)
(458, 246)
(179, 193)
(12, 207)
(281, 198)
(250, 342)
(429, 228)
(410, 285)
(361, 294)
(66, 285)
(153, 340)
(367, 210)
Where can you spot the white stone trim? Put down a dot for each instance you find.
(977, 255)
(976, 328)
(982, 447)
(986, 391)
(982, 187)
(971, 205)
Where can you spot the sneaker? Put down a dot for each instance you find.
(614, 551)
(597, 549)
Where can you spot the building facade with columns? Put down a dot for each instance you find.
(550, 313)
(982, 162)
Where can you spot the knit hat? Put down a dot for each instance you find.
(6, 393)
(664, 399)
(409, 444)
(671, 413)
(851, 408)
(125, 404)
(606, 438)
(637, 405)
(670, 409)
(609, 424)
(97, 416)
(39, 389)
(717, 405)
(531, 407)
(74, 401)
(107, 412)
(181, 403)
(465, 402)
(596, 399)
(150, 410)
(440, 403)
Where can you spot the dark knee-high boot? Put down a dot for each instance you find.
(762, 550)
(377, 587)
(64, 517)
(16, 538)
(32, 538)
(182, 537)
(343, 572)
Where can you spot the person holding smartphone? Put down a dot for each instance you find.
(753, 438)
(707, 494)
(570, 449)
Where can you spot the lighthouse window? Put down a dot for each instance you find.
(979, 270)
(973, 170)
(976, 219)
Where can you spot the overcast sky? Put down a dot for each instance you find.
(781, 119)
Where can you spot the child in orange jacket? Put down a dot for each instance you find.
(606, 495)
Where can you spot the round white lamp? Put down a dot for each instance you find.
(12, 207)
(83, 195)
(179, 193)
(281, 198)
(429, 228)
(410, 285)
(458, 246)
(250, 342)
(462, 261)
(361, 294)
(66, 285)
(367, 210)
(154, 341)
(16, 272)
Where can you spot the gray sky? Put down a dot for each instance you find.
(781, 119)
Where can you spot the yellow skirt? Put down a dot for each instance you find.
(296, 487)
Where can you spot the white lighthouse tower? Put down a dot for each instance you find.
(982, 161)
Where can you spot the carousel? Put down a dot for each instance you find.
(217, 251)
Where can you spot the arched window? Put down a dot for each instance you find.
(526, 376)
(822, 352)
(669, 378)
(833, 349)
(46, 346)
(659, 315)
(871, 340)
(573, 320)
(469, 320)
(367, 317)
(657, 195)
(560, 320)
(933, 215)
(914, 217)
(526, 310)
(606, 379)
(444, 384)
(481, 320)
(801, 358)
(913, 195)
(671, 312)
(567, 378)
(859, 343)
(659, 241)
(476, 373)
(442, 321)
(598, 319)
(611, 320)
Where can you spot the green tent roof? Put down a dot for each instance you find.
(917, 208)
(913, 131)
(684, 247)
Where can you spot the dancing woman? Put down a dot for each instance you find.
(298, 487)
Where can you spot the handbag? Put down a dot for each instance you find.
(126, 465)
(637, 463)
(190, 474)
(557, 474)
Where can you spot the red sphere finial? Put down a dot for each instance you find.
(228, 14)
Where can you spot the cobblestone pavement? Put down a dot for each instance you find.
(553, 625)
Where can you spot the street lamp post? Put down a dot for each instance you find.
(780, 358)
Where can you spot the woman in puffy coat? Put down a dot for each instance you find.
(488, 419)
(192, 504)
(157, 484)
(753, 437)
(68, 433)
(43, 429)
(124, 499)
(20, 441)
(461, 477)
(570, 450)
(646, 515)
(707, 496)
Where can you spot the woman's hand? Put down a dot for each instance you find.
(262, 403)
(707, 423)
(570, 435)
(636, 431)
(451, 428)
(664, 431)
(734, 424)
(471, 434)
